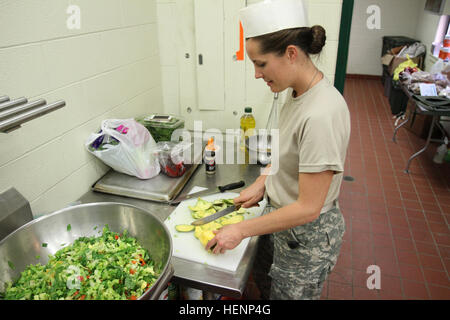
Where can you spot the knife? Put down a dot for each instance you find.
(216, 215)
(224, 188)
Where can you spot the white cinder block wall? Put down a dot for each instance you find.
(398, 18)
(109, 68)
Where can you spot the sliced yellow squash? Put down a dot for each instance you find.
(206, 236)
(203, 209)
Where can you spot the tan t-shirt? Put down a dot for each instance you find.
(314, 135)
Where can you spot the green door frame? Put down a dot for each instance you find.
(344, 43)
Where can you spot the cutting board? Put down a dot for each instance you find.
(188, 247)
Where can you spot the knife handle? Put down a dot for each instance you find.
(231, 186)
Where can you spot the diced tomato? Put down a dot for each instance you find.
(82, 297)
(133, 262)
(81, 278)
(132, 271)
(116, 237)
(76, 293)
(133, 298)
(142, 262)
(170, 172)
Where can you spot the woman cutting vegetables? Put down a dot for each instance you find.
(302, 227)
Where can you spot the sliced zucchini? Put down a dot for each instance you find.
(213, 225)
(184, 228)
(193, 208)
(228, 201)
(198, 214)
(232, 220)
(223, 206)
(198, 232)
(203, 204)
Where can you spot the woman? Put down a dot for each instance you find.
(302, 224)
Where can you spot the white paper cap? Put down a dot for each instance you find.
(273, 15)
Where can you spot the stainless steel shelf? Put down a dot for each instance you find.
(13, 113)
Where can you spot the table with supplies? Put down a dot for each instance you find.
(433, 106)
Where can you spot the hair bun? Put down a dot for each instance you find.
(318, 39)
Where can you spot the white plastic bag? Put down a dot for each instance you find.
(437, 67)
(412, 51)
(126, 146)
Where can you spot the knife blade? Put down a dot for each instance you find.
(216, 215)
(230, 186)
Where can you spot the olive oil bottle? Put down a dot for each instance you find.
(248, 125)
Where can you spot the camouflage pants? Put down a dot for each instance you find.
(294, 264)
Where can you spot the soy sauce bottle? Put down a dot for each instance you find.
(210, 162)
(210, 157)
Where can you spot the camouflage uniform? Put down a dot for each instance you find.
(303, 257)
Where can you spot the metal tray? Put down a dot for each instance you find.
(160, 188)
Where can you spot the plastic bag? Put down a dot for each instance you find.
(445, 92)
(437, 67)
(446, 70)
(402, 66)
(171, 157)
(422, 76)
(126, 146)
(441, 152)
(413, 50)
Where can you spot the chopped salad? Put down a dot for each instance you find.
(110, 267)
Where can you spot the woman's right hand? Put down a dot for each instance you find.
(250, 196)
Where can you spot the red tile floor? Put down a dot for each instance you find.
(396, 221)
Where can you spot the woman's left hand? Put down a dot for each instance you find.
(227, 238)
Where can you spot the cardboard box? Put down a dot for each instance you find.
(397, 61)
(391, 60)
(387, 59)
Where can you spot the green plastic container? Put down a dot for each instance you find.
(447, 156)
(161, 126)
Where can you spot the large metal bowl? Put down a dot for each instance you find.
(23, 245)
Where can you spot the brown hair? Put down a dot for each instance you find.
(309, 40)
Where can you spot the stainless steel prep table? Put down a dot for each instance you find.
(192, 274)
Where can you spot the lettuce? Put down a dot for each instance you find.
(109, 267)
